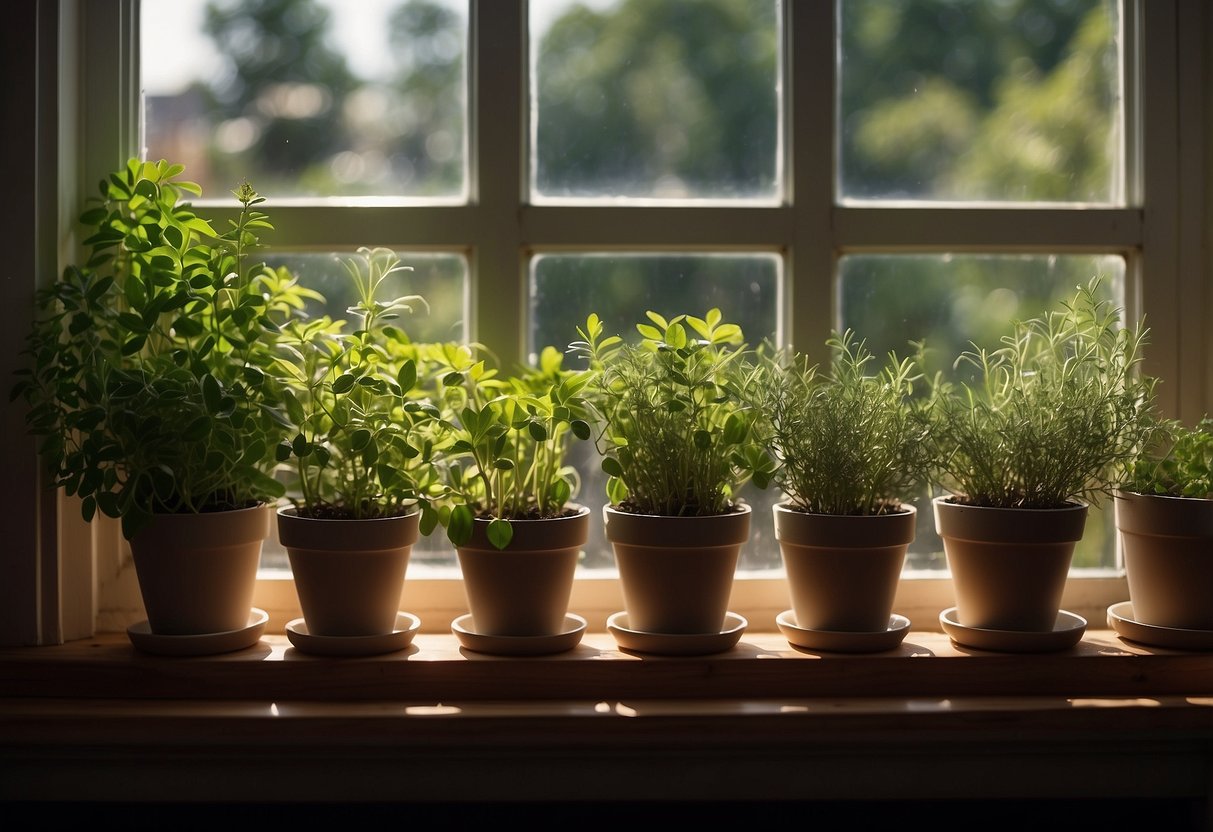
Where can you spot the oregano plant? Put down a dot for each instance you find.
(673, 429)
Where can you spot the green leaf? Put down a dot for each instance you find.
(703, 439)
(359, 439)
(735, 430)
(459, 525)
(500, 533)
(197, 429)
(538, 432)
(344, 383)
(581, 429)
(611, 466)
(561, 491)
(212, 393)
(407, 376)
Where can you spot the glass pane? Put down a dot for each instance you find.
(972, 100)
(953, 301)
(439, 278)
(620, 288)
(308, 98)
(655, 99)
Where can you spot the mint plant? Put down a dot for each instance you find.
(360, 444)
(674, 431)
(845, 441)
(149, 382)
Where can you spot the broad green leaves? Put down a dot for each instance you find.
(675, 437)
(149, 363)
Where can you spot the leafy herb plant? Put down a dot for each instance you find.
(1177, 463)
(148, 381)
(844, 442)
(361, 445)
(675, 435)
(1055, 414)
(510, 439)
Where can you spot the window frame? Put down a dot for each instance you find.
(76, 579)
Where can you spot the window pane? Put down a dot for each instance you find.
(309, 98)
(972, 100)
(655, 99)
(950, 301)
(439, 278)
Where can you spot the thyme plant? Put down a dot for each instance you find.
(1177, 463)
(361, 445)
(844, 442)
(511, 437)
(1055, 414)
(675, 436)
(149, 381)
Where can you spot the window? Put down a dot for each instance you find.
(921, 169)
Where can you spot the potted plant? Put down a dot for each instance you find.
(360, 458)
(150, 388)
(1025, 448)
(849, 450)
(677, 446)
(1164, 516)
(518, 536)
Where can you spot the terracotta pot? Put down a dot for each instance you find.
(843, 571)
(524, 589)
(1009, 565)
(348, 573)
(197, 572)
(676, 572)
(1168, 550)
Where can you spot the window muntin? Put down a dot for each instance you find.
(966, 100)
(309, 99)
(674, 100)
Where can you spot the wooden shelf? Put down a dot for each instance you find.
(436, 668)
(96, 720)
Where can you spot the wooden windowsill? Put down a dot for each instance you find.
(765, 721)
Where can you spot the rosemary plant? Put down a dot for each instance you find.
(844, 443)
(1054, 415)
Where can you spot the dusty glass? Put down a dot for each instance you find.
(655, 100)
(980, 101)
(309, 98)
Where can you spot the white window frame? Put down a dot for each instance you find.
(69, 580)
